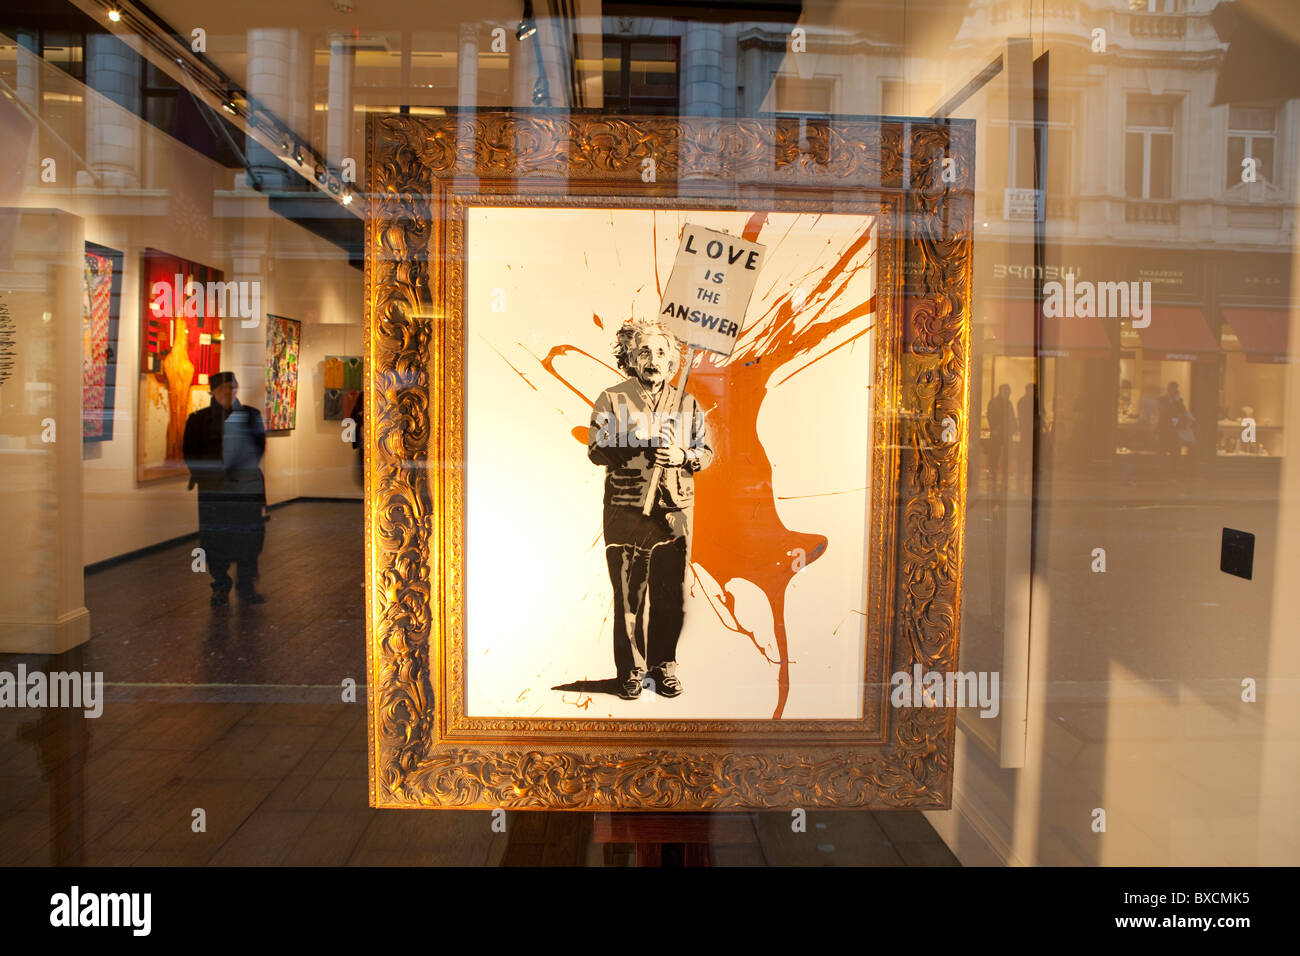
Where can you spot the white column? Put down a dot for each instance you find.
(112, 109)
(42, 598)
(702, 69)
(467, 85)
(338, 134)
(272, 60)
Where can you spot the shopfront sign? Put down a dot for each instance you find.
(1022, 205)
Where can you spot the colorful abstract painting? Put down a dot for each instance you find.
(180, 348)
(283, 339)
(101, 306)
(342, 386)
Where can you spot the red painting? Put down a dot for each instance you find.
(180, 348)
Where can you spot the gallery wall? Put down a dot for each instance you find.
(189, 206)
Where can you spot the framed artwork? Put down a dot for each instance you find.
(609, 572)
(180, 347)
(101, 308)
(342, 374)
(283, 340)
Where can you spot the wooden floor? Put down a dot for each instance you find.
(237, 713)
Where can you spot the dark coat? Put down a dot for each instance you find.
(223, 451)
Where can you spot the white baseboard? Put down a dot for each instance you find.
(45, 636)
(973, 840)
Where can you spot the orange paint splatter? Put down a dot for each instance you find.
(738, 533)
(548, 363)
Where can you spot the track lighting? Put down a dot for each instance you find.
(527, 25)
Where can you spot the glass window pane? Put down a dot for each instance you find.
(1261, 148)
(1162, 166)
(1251, 118)
(1236, 152)
(1133, 164)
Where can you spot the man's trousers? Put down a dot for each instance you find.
(647, 557)
(231, 531)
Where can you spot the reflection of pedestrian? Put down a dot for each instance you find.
(633, 430)
(358, 420)
(1002, 420)
(1174, 426)
(224, 444)
(1026, 411)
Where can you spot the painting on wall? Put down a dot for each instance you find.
(180, 348)
(101, 308)
(342, 386)
(723, 559)
(283, 337)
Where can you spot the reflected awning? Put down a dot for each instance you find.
(1263, 333)
(1180, 332)
(1063, 336)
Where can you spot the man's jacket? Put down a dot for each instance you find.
(623, 436)
(224, 451)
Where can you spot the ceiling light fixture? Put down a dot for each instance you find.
(115, 14)
(347, 199)
(527, 25)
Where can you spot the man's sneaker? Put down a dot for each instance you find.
(630, 689)
(666, 682)
(251, 597)
(220, 598)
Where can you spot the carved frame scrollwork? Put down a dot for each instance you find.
(423, 752)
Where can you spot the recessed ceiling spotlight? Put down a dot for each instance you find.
(347, 199)
(115, 14)
(297, 154)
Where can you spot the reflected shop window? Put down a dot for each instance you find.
(759, 432)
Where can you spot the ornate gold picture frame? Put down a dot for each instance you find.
(438, 185)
